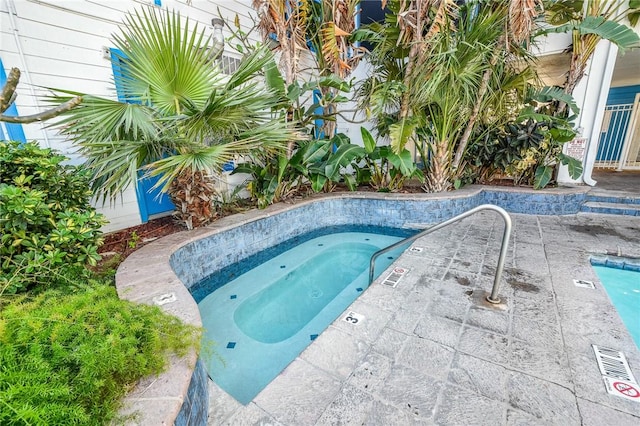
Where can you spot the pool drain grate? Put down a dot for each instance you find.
(394, 277)
(613, 364)
(616, 374)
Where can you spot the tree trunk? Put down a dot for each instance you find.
(575, 74)
(437, 177)
(194, 193)
(8, 93)
(8, 96)
(482, 91)
(329, 126)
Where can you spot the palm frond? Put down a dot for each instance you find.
(522, 18)
(187, 115)
(209, 159)
(98, 119)
(167, 62)
(250, 65)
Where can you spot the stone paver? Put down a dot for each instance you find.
(430, 351)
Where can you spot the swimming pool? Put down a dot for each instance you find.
(178, 265)
(265, 317)
(623, 288)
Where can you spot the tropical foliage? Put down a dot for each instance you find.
(430, 84)
(384, 170)
(448, 75)
(184, 119)
(322, 28)
(47, 223)
(450, 86)
(317, 165)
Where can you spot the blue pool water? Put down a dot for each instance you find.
(265, 317)
(623, 288)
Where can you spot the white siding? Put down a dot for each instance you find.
(60, 44)
(122, 213)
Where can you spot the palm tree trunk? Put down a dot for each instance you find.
(482, 91)
(575, 74)
(193, 193)
(437, 178)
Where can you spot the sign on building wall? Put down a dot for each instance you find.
(576, 147)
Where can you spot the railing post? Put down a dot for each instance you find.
(506, 235)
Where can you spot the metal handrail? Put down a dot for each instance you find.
(493, 298)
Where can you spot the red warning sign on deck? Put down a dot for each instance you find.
(623, 389)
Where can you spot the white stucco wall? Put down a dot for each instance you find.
(61, 44)
(591, 96)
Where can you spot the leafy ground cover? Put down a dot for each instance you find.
(70, 358)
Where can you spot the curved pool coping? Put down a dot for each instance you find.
(151, 275)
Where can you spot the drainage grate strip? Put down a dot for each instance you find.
(613, 364)
(394, 277)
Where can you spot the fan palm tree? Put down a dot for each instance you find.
(184, 119)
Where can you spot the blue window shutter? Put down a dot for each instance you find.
(150, 201)
(119, 67)
(14, 132)
(622, 95)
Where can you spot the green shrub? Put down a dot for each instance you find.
(70, 358)
(46, 220)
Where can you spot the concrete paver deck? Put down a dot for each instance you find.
(431, 351)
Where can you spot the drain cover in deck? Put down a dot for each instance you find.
(394, 277)
(613, 364)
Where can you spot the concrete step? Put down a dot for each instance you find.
(611, 199)
(630, 209)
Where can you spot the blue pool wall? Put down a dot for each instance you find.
(195, 408)
(616, 262)
(200, 259)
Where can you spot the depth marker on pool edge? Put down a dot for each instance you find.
(353, 318)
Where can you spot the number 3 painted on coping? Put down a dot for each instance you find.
(351, 319)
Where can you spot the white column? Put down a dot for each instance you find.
(591, 96)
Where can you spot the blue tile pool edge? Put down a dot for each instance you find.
(616, 262)
(205, 256)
